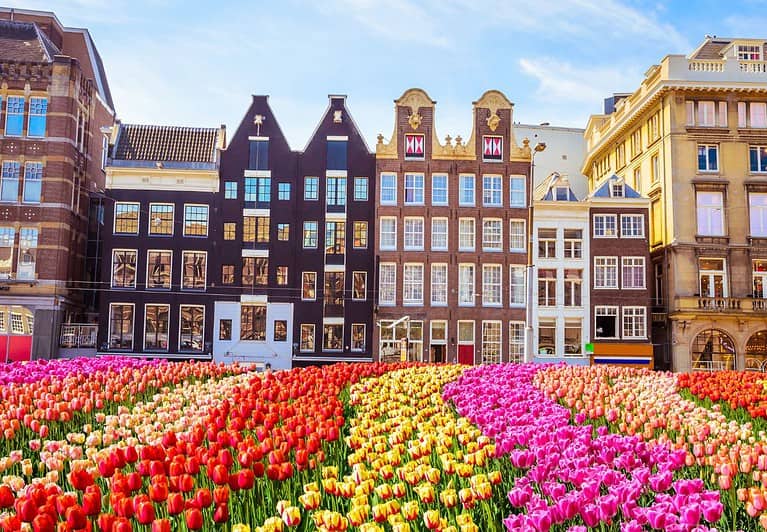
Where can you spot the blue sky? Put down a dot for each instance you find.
(197, 62)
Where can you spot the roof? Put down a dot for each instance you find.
(23, 41)
(603, 191)
(543, 192)
(140, 142)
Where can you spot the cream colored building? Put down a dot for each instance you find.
(693, 138)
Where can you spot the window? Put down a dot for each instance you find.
(655, 168)
(359, 286)
(439, 189)
(227, 274)
(283, 191)
(195, 220)
(307, 338)
(439, 284)
(156, 327)
(282, 275)
(27, 253)
(126, 218)
(617, 190)
(120, 326)
(33, 181)
(657, 215)
(253, 323)
(605, 226)
(517, 191)
(225, 330)
(195, 270)
(492, 148)
(7, 241)
(658, 284)
(606, 322)
(258, 189)
(336, 154)
(412, 284)
(758, 158)
(336, 192)
(230, 189)
(710, 213)
(708, 155)
(388, 232)
(466, 190)
(465, 332)
(360, 189)
(706, 113)
(491, 191)
(517, 296)
(757, 203)
(491, 285)
(387, 283)
(547, 337)
(573, 332)
(547, 287)
(124, 268)
(466, 238)
(311, 188)
(158, 269)
(10, 181)
(439, 234)
(388, 189)
(516, 341)
(561, 193)
(259, 155)
(620, 155)
(634, 322)
(230, 230)
(636, 143)
(358, 336)
(414, 189)
(309, 286)
(283, 232)
(491, 342)
(414, 146)
(547, 243)
(360, 235)
(466, 285)
(605, 272)
(632, 226)
(633, 272)
(192, 330)
(517, 236)
(255, 229)
(280, 330)
(160, 219)
(573, 243)
(713, 278)
(492, 234)
(38, 107)
(653, 128)
(760, 279)
(335, 238)
(573, 287)
(752, 114)
(638, 179)
(14, 116)
(748, 52)
(333, 337)
(255, 271)
(310, 234)
(413, 233)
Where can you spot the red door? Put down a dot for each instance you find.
(466, 354)
(16, 348)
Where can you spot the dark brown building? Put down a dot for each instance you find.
(452, 223)
(54, 101)
(620, 261)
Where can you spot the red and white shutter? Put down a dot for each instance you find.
(414, 145)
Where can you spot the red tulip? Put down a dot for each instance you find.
(26, 510)
(160, 525)
(6, 497)
(92, 503)
(130, 454)
(245, 479)
(105, 522)
(43, 523)
(185, 483)
(175, 503)
(193, 519)
(258, 469)
(203, 498)
(219, 475)
(63, 502)
(158, 492)
(75, 518)
(221, 494)
(145, 512)
(125, 507)
(221, 514)
(134, 481)
(122, 525)
(106, 468)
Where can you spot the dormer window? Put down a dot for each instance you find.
(749, 52)
(414, 146)
(561, 193)
(617, 190)
(492, 148)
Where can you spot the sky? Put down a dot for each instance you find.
(197, 63)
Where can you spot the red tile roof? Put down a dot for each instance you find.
(23, 41)
(138, 142)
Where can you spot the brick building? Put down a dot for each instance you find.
(54, 100)
(452, 223)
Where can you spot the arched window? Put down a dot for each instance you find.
(713, 350)
(756, 351)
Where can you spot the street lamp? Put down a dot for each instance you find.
(529, 337)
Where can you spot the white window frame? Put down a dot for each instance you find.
(303, 274)
(494, 245)
(757, 214)
(412, 283)
(112, 272)
(522, 237)
(629, 221)
(523, 180)
(170, 269)
(447, 189)
(492, 285)
(602, 230)
(710, 167)
(489, 343)
(436, 246)
(571, 251)
(207, 221)
(205, 273)
(364, 338)
(301, 336)
(390, 267)
(167, 333)
(316, 196)
(441, 288)
(760, 168)
(385, 246)
(462, 180)
(138, 218)
(613, 311)
(513, 287)
(412, 238)
(752, 115)
(569, 291)
(384, 177)
(365, 290)
(462, 234)
(492, 190)
(633, 263)
(467, 292)
(712, 274)
(638, 317)
(606, 264)
(412, 186)
(316, 234)
(706, 218)
(133, 326)
(172, 219)
(358, 180)
(516, 341)
(547, 240)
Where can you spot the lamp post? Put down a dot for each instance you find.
(529, 336)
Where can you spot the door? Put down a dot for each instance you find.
(466, 354)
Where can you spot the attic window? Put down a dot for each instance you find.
(617, 190)
(749, 52)
(561, 193)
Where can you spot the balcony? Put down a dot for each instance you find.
(78, 336)
(746, 305)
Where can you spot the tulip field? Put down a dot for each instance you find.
(118, 444)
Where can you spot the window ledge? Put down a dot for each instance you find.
(710, 239)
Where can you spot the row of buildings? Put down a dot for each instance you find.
(640, 238)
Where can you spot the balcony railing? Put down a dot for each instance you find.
(78, 335)
(722, 304)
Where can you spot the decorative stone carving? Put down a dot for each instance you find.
(337, 116)
(415, 120)
(492, 121)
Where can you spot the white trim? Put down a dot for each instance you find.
(337, 216)
(172, 222)
(335, 268)
(207, 220)
(605, 216)
(301, 335)
(331, 321)
(254, 137)
(255, 253)
(380, 187)
(143, 340)
(170, 272)
(257, 173)
(112, 269)
(431, 333)
(336, 173)
(337, 137)
(258, 299)
(365, 291)
(474, 190)
(202, 343)
(447, 189)
(133, 327)
(644, 325)
(114, 217)
(618, 323)
(364, 338)
(205, 273)
(522, 178)
(617, 272)
(302, 287)
(256, 212)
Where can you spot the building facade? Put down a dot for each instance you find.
(54, 100)
(693, 138)
(452, 227)
(299, 265)
(159, 238)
